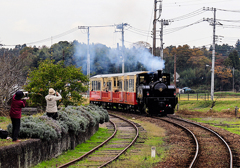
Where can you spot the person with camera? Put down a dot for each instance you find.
(52, 99)
(18, 102)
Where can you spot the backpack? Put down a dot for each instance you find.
(3, 134)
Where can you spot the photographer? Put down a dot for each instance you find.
(51, 99)
(15, 113)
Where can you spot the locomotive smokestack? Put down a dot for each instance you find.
(159, 74)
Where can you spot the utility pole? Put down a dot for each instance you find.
(213, 56)
(154, 28)
(88, 55)
(155, 24)
(233, 79)
(175, 70)
(163, 23)
(88, 52)
(118, 55)
(122, 49)
(121, 27)
(212, 23)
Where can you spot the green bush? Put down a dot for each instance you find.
(70, 119)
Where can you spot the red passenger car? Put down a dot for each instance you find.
(114, 90)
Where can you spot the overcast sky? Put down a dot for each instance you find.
(45, 22)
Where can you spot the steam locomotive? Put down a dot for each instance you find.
(142, 91)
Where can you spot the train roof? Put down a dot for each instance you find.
(118, 74)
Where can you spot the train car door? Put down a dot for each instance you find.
(125, 90)
(116, 94)
(95, 92)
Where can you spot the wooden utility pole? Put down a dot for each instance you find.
(154, 28)
(175, 70)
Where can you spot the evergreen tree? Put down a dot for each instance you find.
(233, 56)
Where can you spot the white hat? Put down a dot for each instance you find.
(51, 91)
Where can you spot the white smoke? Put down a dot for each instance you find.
(112, 57)
(150, 62)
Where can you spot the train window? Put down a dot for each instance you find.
(164, 79)
(131, 85)
(109, 86)
(120, 85)
(94, 85)
(142, 78)
(98, 85)
(126, 85)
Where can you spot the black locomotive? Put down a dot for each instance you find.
(155, 95)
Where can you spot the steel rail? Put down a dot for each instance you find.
(134, 140)
(194, 137)
(91, 151)
(229, 149)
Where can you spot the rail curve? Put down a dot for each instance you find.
(194, 137)
(103, 143)
(226, 144)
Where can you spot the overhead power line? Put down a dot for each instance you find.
(193, 3)
(138, 31)
(231, 26)
(225, 10)
(189, 15)
(168, 31)
(236, 21)
(59, 35)
(50, 38)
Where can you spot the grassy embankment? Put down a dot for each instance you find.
(222, 114)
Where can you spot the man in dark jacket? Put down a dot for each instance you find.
(15, 113)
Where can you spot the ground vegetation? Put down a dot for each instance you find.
(71, 119)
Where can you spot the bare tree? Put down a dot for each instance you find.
(12, 77)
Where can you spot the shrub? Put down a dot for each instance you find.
(70, 119)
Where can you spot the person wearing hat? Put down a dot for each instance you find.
(51, 99)
(15, 113)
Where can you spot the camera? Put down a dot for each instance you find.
(25, 95)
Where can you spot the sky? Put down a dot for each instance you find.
(45, 22)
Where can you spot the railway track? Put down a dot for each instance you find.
(125, 134)
(211, 149)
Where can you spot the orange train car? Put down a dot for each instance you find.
(114, 89)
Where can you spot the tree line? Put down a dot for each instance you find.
(193, 64)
